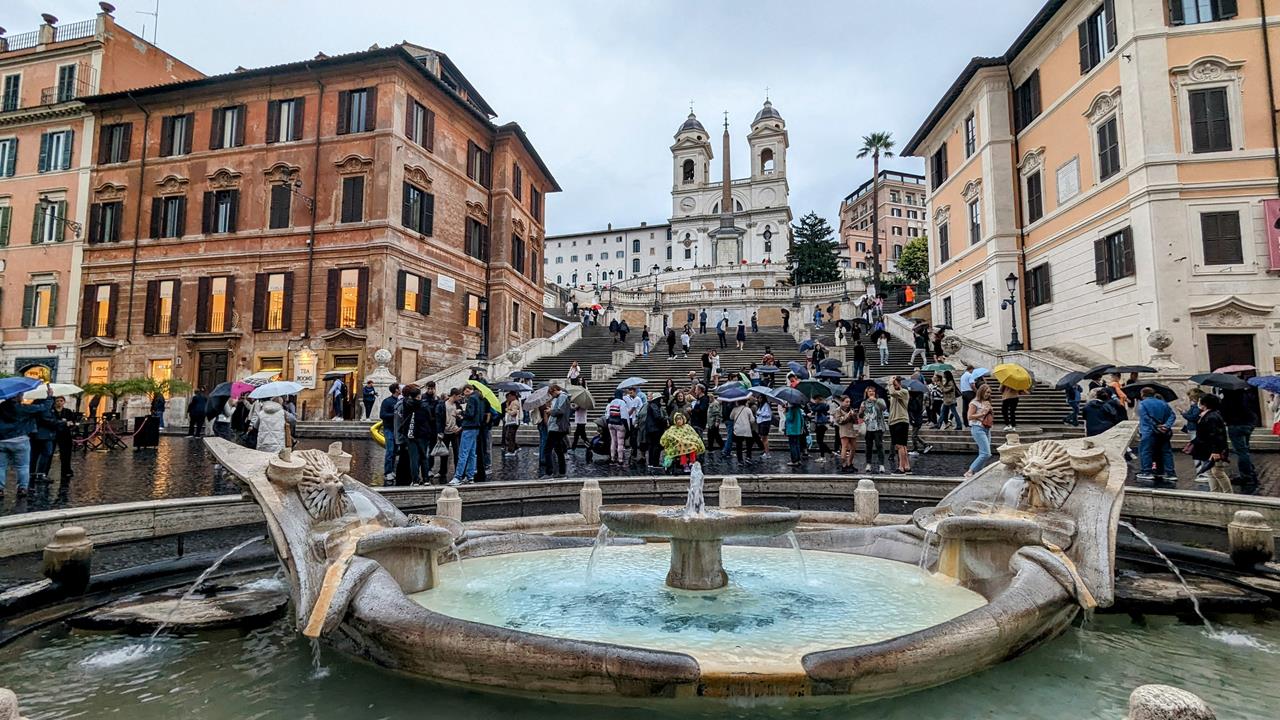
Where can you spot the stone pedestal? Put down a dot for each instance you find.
(696, 565)
(449, 504)
(730, 493)
(341, 458)
(68, 560)
(1162, 702)
(9, 705)
(382, 376)
(1251, 539)
(866, 502)
(589, 501)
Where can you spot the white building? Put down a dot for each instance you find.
(603, 257)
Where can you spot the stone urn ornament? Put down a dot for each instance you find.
(1160, 341)
(951, 345)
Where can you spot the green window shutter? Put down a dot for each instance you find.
(28, 305)
(5, 213)
(36, 221)
(62, 226)
(53, 305)
(66, 149)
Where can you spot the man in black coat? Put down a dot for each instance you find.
(197, 411)
(387, 414)
(1100, 413)
(1209, 449)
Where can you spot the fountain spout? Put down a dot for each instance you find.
(695, 505)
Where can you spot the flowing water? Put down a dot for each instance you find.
(924, 549)
(695, 504)
(195, 586)
(457, 558)
(602, 539)
(1011, 493)
(318, 670)
(1195, 601)
(795, 545)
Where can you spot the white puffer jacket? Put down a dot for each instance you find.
(270, 421)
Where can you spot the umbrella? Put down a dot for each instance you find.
(858, 388)
(1071, 378)
(59, 390)
(631, 382)
(581, 397)
(334, 374)
(829, 364)
(522, 375)
(1236, 369)
(979, 373)
(1123, 369)
(1012, 375)
(262, 377)
(1097, 371)
(12, 387)
(1134, 389)
(762, 390)
(798, 370)
(514, 387)
(1270, 383)
(538, 397)
(791, 396)
(806, 345)
(487, 394)
(768, 369)
(734, 392)
(938, 367)
(943, 326)
(729, 385)
(278, 388)
(814, 388)
(830, 374)
(221, 390)
(239, 388)
(875, 335)
(1221, 381)
(915, 386)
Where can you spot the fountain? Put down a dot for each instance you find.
(697, 534)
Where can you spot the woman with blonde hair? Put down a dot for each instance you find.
(981, 418)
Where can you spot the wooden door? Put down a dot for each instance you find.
(212, 369)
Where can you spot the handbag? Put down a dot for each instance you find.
(441, 449)
(989, 419)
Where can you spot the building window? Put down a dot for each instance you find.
(515, 316)
(168, 217)
(938, 167)
(160, 370)
(226, 127)
(420, 126)
(1210, 120)
(535, 203)
(40, 304)
(473, 311)
(860, 246)
(477, 240)
(895, 196)
(573, 258)
(175, 134)
(413, 293)
(1108, 149)
(99, 372)
(517, 181)
(517, 254)
(272, 300)
(55, 151)
(113, 143)
(1220, 234)
(418, 213)
(284, 120)
(686, 173)
(50, 222)
(105, 222)
(946, 311)
(220, 210)
(214, 304)
(279, 215)
(98, 314)
(635, 266)
(347, 298)
(353, 199)
(8, 157)
(688, 253)
(66, 83)
(1026, 102)
(1035, 197)
(1192, 12)
(1113, 257)
(6, 222)
(533, 266)
(1039, 286)
(668, 252)
(161, 311)
(357, 110)
(12, 96)
(895, 212)
(1097, 36)
(913, 215)
(979, 301)
(479, 164)
(970, 135)
(590, 256)
(975, 222)
(896, 231)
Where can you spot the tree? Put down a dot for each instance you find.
(876, 144)
(814, 253)
(913, 264)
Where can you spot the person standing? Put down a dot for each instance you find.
(821, 408)
(966, 390)
(431, 424)
(511, 412)
(580, 428)
(671, 343)
(43, 435)
(846, 418)
(793, 427)
(1209, 449)
(1101, 413)
(368, 396)
(715, 418)
(337, 393)
(1239, 410)
(387, 414)
(1155, 436)
(685, 340)
(786, 321)
(633, 403)
(859, 360)
(558, 430)
(981, 416)
(575, 373)
(698, 409)
(920, 341)
(899, 424)
(741, 337)
(67, 421)
(17, 421)
(407, 433)
(755, 322)
(817, 317)
(222, 420)
(764, 425)
(157, 409)
(615, 422)
(1072, 396)
(702, 322)
(722, 328)
(269, 421)
(915, 415)
(452, 409)
(740, 435)
(882, 344)
(544, 431)
(655, 423)
(1009, 406)
(947, 385)
(706, 366)
(645, 344)
(197, 410)
(871, 413)
(472, 418)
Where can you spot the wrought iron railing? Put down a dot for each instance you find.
(25, 40)
(75, 30)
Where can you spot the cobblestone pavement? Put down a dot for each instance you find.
(181, 467)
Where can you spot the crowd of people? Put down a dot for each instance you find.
(30, 435)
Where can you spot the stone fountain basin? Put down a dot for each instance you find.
(665, 521)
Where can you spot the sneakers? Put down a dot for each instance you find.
(882, 470)
(1148, 477)
(455, 482)
(913, 453)
(870, 470)
(1008, 428)
(389, 477)
(927, 448)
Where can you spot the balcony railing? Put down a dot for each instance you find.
(25, 40)
(75, 30)
(82, 87)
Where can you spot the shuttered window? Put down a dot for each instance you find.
(163, 305)
(281, 207)
(357, 110)
(168, 217)
(420, 124)
(215, 303)
(98, 310)
(8, 157)
(413, 293)
(1039, 286)
(1108, 149)
(273, 301)
(285, 120)
(1220, 233)
(517, 253)
(477, 240)
(6, 224)
(12, 97)
(49, 222)
(113, 143)
(105, 222)
(40, 305)
(535, 203)
(944, 243)
(347, 298)
(1097, 36)
(1035, 197)
(226, 127)
(479, 164)
(221, 207)
(1113, 257)
(176, 133)
(1192, 12)
(353, 199)
(1026, 102)
(938, 167)
(1210, 120)
(517, 181)
(66, 83)
(55, 151)
(418, 211)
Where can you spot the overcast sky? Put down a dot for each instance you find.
(600, 87)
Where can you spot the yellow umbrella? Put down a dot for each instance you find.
(1012, 375)
(487, 394)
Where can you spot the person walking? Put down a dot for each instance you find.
(337, 394)
(702, 322)
(882, 344)
(859, 360)
(793, 427)
(623, 331)
(613, 330)
(1009, 406)
(269, 421)
(764, 425)
(871, 413)
(722, 328)
(472, 417)
(685, 340)
(920, 342)
(17, 421)
(1210, 448)
(511, 412)
(947, 385)
(671, 343)
(645, 345)
(387, 414)
(1239, 409)
(1072, 396)
(43, 434)
(558, 427)
(916, 416)
(408, 433)
(786, 321)
(755, 322)
(574, 376)
(821, 409)
(197, 412)
(846, 417)
(452, 408)
(741, 434)
(741, 337)
(966, 390)
(580, 428)
(655, 424)
(1155, 438)
(616, 423)
(899, 424)
(981, 416)
(368, 396)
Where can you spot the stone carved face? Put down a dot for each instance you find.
(1046, 466)
(321, 487)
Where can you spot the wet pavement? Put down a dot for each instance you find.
(181, 467)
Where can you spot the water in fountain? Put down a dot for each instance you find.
(602, 539)
(1011, 493)
(795, 545)
(457, 557)
(191, 591)
(318, 670)
(695, 505)
(924, 550)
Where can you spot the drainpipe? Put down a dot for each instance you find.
(137, 215)
(484, 310)
(1271, 92)
(1017, 208)
(315, 202)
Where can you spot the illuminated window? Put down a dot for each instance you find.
(39, 304)
(218, 305)
(473, 311)
(275, 301)
(98, 371)
(164, 311)
(412, 288)
(349, 299)
(161, 370)
(103, 314)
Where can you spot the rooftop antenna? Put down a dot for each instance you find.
(155, 25)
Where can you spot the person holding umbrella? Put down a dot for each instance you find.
(1210, 448)
(793, 426)
(17, 421)
(871, 413)
(946, 384)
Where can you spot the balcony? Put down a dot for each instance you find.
(81, 87)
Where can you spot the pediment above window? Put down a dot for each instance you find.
(224, 179)
(519, 226)
(1032, 161)
(353, 163)
(282, 173)
(1103, 105)
(417, 175)
(172, 185)
(108, 192)
(971, 190)
(477, 211)
(941, 215)
(1208, 69)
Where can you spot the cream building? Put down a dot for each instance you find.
(1118, 161)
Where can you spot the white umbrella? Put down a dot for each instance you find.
(631, 382)
(537, 398)
(279, 388)
(59, 390)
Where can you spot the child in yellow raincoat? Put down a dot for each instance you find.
(681, 444)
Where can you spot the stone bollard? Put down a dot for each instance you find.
(589, 501)
(866, 502)
(68, 559)
(340, 457)
(9, 705)
(1162, 702)
(730, 493)
(1251, 539)
(449, 504)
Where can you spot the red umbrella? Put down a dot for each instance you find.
(1235, 369)
(597, 306)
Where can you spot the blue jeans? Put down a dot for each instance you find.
(858, 365)
(948, 410)
(1153, 448)
(728, 442)
(982, 437)
(544, 457)
(1239, 435)
(645, 346)
(1073, 417)
(15, 452)
(389, 456)
(884, 356)
(795, 443)
(467, 455)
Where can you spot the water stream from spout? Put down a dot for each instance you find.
(1010, 495)
(1195, 601)
(457, 557)
(318, 670)
(602, 539)
(795, 545)
(924, 549)
(695, 505)
(191, 591)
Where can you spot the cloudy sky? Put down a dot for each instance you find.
(601, 86)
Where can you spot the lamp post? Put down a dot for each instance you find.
(597, 281)
(49, 210)
(1011, 282)
(483, 354)
(609, 307)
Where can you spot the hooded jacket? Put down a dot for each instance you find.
(270, 421)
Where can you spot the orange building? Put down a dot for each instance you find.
(902, 212)
(295, 219)
(46, 155)
(1113, 169)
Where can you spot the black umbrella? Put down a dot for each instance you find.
(876, 335)
(1097, 371)
(1222, 381)
(830, 374)
(1124, 369)
(522, 375)
(335, 374)
(1133, 390)
(858, 389)
(1071, 378)
(829, 364)
(791, 396)
(943, 327)
(223, 390)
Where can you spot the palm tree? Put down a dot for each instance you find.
(875, 145)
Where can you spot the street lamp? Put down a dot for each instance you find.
(657, 306)
(609, 307)
(1011, 282)
(483, 354)
(597, 281)
(49, 210)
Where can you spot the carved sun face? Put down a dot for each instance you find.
(1049, 474)
(321, 487)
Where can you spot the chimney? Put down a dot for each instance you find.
(644, 223)
(611, 226)
(47, 30)
(4, 41)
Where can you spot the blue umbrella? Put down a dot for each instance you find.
(806, 345)
(791, 396)
(830, 374)
(979, 372)
(1270, 383)
(762, 390)
(767, 369)
(734, 393)
(914, 386)
(12, 387)
(798, 369)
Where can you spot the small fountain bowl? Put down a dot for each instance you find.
(664, 521)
